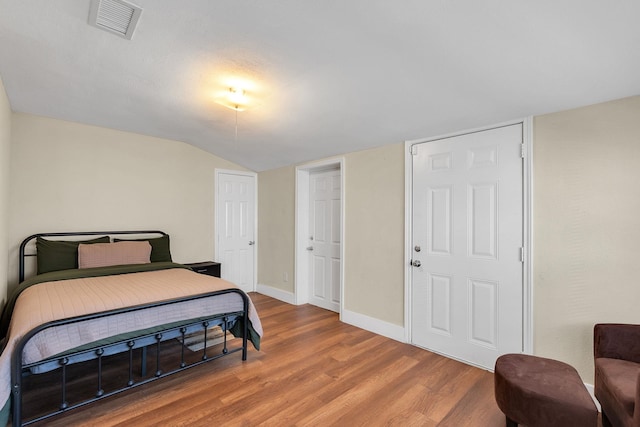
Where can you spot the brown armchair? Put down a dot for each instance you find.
(617, 375)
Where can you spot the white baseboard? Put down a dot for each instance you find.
(370, 324)
(276, 293)
(374, 325)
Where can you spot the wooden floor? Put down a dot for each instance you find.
(312, 370)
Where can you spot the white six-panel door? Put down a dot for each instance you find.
(235, 206)
(324, 239)
(467, 235)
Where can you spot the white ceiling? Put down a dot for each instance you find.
(331, 76)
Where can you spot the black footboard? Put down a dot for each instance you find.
(154, 340)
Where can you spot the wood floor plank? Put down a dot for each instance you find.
(341, 409)
(469, 410)
(313, 370)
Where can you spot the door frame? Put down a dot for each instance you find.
(301, 262)
(527, 209)
(217, 225)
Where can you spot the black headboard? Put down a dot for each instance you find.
(26, 241)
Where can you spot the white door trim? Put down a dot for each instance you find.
(301, 286)
(527, 280)
(253, 175)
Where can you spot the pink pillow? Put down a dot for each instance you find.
(118, 253)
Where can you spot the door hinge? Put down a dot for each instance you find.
(414, 150)
(523, 151)
(521, 254)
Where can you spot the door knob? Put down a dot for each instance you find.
(309, 248)
(251, 242)
(416, 263)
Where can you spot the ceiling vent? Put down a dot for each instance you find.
(116, 16)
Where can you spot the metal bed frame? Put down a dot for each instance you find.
(25, 242)
(97, 352)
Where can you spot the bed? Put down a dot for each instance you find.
(104, 295)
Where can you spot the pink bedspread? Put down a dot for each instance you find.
(62, 299)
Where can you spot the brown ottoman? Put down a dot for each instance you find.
(535, 391)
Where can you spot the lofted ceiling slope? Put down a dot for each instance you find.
(328, 77)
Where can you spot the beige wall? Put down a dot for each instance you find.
(586, 226)
(374, 231)
(276, 223)
(5, 139)
(67, 176)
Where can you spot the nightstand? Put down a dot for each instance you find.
(208, 267)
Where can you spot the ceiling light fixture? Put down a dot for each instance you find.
(237, 94)
(235, 98)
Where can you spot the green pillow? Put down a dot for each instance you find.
(160, 248)
(54, 255)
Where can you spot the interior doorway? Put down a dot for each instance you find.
(320, 234)
(468, 264)
(235, 219)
